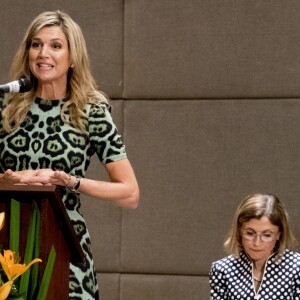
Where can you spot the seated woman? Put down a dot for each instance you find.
(261, 264)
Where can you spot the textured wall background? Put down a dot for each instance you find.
(206, 96)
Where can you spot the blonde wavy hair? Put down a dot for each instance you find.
(255, 207)
(81, 86)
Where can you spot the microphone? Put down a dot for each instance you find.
(18, 86)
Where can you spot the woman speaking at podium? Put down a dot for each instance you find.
(48, 134)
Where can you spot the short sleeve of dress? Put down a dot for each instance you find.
(103, 133)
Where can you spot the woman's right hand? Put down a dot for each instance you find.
(11, 177)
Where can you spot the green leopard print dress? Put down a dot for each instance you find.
(43, 140)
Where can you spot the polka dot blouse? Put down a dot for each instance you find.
(231, 278)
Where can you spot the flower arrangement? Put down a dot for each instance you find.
(14, 278)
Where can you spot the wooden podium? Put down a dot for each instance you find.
(56, 230)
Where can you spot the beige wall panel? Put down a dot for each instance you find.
(211, 49)
(195, 161)
(109, 286)
(154, 287)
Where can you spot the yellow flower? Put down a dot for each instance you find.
(10, 266)
(11, 269)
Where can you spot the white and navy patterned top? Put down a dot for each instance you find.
(231, 278)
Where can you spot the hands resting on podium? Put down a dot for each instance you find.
(35, 177)
(122, 189)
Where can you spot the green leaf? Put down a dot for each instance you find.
(47, 276)
(35, 268)
(14, 238)
(28, 257)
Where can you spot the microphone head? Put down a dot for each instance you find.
(25, 85)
